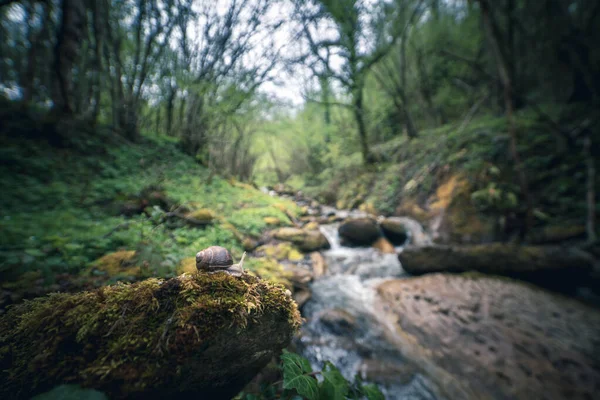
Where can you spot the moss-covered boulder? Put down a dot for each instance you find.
(359, 231)
(272, 221)
(202, 216)
(556, 267)
(280, 251)
(119, 264)
(201, 336)
(305, 240)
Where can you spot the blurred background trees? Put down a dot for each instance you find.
(369, 71)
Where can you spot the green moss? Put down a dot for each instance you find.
(126, 339)
(269, 269)
(281, 251)
(202, 215)
(119, 263)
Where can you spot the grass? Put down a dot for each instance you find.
(65, 189)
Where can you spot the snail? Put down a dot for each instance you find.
(217, 259)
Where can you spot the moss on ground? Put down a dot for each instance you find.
(69, 204)
(154, 338)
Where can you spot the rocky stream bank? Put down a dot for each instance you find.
(488, 321)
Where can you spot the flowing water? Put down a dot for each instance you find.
(341, 322)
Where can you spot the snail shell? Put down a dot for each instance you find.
(218, 259)
(214, 257)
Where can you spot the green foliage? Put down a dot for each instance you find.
(66, 205)
(299, 378)
(296, 370)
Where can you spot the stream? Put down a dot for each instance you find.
(342, 324)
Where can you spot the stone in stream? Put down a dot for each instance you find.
(393, 228)
(359, 231)
(493, 338)
(556, 267)
(318, 264)
(338, 321)
(200, 335)
(384, 246)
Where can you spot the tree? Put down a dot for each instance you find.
(354, 41)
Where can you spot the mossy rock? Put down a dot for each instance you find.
(281, 251)
(306, 241)
(201, 336)
(117, 264)
(312, 226)
(269, 269)
(203, 215)
(272, 221)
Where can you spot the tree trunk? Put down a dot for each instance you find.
(157, 129)
(505, 78)
(98, 45)
(182, 106)
(35, 43)
(170, 108)
(362, 128)
(325, 98)
(66, 52)
(591, 189)
(411, 130)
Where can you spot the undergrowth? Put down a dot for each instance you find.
(67, 190)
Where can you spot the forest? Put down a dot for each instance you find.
(299, 199)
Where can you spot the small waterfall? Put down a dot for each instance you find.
(342, 325)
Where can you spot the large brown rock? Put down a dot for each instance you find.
(305, 240)
(556, 267)
(492, 338)
(359, 231)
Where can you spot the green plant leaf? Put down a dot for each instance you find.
(295, 369)
(372, 392)
(334, 386)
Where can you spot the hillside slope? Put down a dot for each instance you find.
(73, 194)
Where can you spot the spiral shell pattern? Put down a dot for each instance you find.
(214, 257)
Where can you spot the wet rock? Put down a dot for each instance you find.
(302, 296)
(319, 266)
(300, 277)
(384, 246)
(387, 372)
(201, 336)
(393, 228)
(338, 321)
(305, 240)
(359, 231)
(561, 268)
(492, 338)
